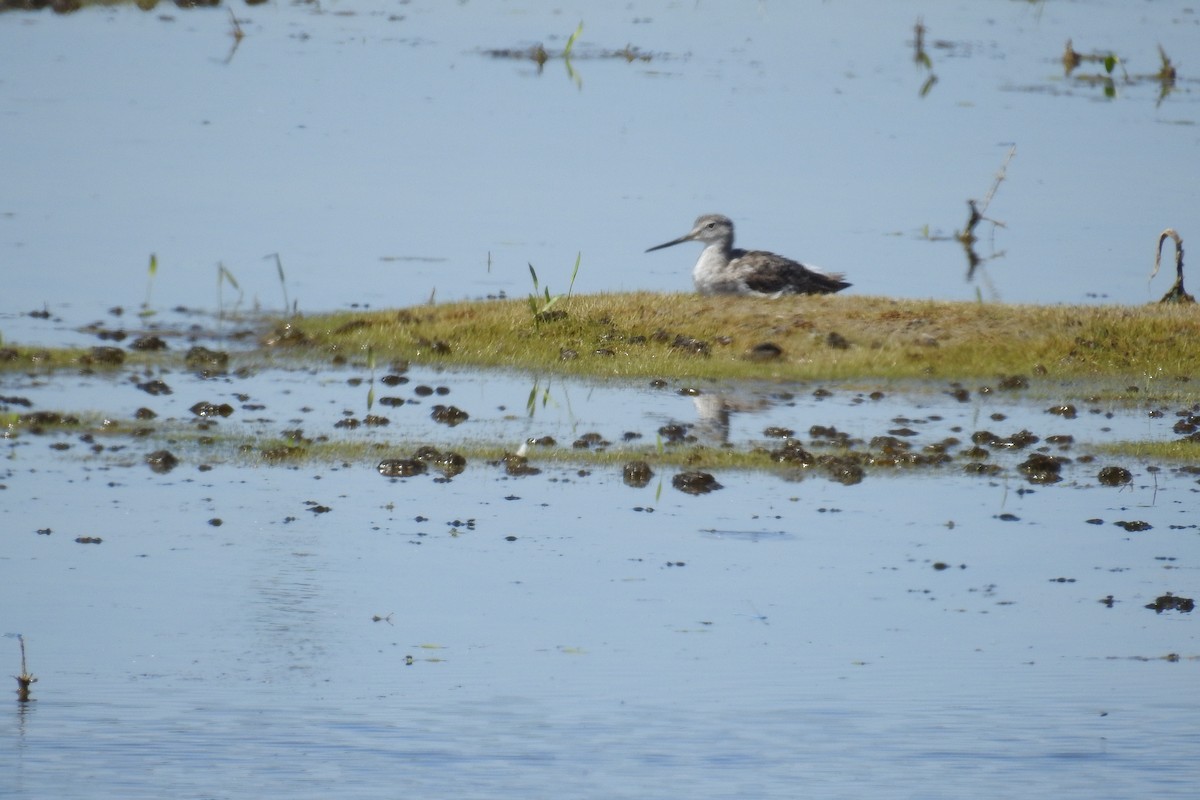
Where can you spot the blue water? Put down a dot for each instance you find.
(386, 157)
(572, 635)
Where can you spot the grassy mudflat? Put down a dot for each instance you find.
(792, 338)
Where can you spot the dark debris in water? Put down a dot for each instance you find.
(518, 465)
(207, 409)
(154, 387)
(1171, 602)
(103, 356)
(695, 482)
(448, 462)
(637, 474)
(449, 415)
(1115, 476)
(286, 335)
(401, 467)
(162, 461)
(148, 343)
(207, 362)
(1042, 468)
(1135, 526)
(38, 421)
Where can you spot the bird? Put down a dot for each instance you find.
(725, 269)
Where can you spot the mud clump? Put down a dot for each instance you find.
(286, 335)
(695, 483)
(148, 344)
(276, 454)
(518, 466)
(1170, 602)
(401, 467)
(1017, 441)
(637, 474)
(38, 421)
(1134, 526)
(104, 356)
(447, 462)
(764, 351)
(162, 461)
(155, 387)
(206, 409)
(836, 341)
(1042, 468)
(1114, 476)
(590, 441)
(206, 362)
(449, 415)
(676, 433)
(1066, 411)
(792, 452)
(690, 344)
(845, 470)
(1010, 383)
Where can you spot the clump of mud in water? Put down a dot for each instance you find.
(1170, 602)
(162, 461)
(637, 474)
(517, 465)
(1115, 476)
(695, 483)
(1042, 468)
(447, 462)
(449, 415)
(206, 362)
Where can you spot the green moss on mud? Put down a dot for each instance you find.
(643, 335)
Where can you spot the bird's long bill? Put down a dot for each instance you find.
(684, 238)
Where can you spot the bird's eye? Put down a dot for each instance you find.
(711, 225)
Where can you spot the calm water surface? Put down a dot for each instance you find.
(570, 635)
(386, 157)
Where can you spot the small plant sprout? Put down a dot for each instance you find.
(571, 41)
(26, 679)
(288, 308)
(543, 309)
(921, 58)
(371, 367)
(571, 73)
(151, 272)
(1166, 76)
(225, 276)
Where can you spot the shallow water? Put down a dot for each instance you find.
(243, 632)
(924, 633)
